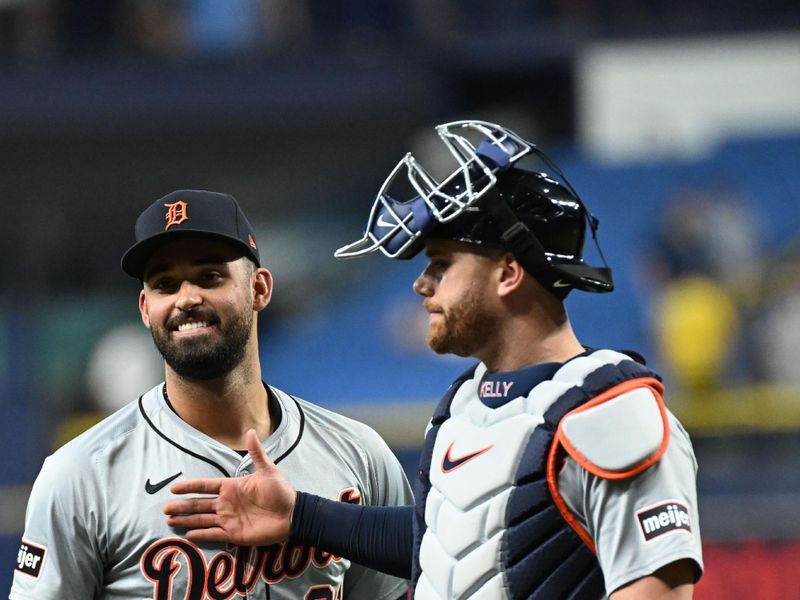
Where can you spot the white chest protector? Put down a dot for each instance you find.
(476, 458)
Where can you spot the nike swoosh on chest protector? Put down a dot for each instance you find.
(450, 463)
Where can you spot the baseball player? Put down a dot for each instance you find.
(549, 469)
(94, 528)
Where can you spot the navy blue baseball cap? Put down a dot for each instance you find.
(189, 213)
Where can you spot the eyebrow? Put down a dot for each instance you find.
(159, 268)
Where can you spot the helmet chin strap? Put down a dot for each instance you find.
(524, 245)
(516, 235)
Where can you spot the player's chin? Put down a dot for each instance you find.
(443, 341)
(438, 340)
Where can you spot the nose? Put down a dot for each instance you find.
(423, 285)
(188, 296)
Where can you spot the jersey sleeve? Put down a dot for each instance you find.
(387, 486)
(59, 556)
(640, 524)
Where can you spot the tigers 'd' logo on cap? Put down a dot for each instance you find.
(176, 213)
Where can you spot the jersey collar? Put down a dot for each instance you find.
(496, 389)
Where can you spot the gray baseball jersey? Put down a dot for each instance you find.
(94, 526)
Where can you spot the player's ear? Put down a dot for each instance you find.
(262, 288)
(143, 309)
(510, 275)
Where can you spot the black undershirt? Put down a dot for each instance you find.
(377, 537)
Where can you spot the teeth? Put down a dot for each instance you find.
(193, 325)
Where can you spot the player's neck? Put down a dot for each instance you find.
(223, 408)
(525, 342)
(531, 327)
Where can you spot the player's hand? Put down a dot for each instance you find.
(254, 510)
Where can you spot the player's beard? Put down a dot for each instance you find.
(203, 359)
(463, 328)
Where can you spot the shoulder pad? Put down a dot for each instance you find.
(618, 434)
(576, 370)
(610, 356)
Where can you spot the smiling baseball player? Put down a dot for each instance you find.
(94, 528)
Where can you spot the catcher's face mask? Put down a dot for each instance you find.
(397, 225)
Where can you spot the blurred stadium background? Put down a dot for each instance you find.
(679, 123)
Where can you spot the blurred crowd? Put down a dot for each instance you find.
(727, 307)
(31, 29)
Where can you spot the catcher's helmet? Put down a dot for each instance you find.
(490, 201)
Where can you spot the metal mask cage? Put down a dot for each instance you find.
(395, 226)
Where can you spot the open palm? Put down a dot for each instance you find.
(254, 510)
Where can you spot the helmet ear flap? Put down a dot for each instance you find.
(550, 280)
(559, 280)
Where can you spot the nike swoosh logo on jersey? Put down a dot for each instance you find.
(450, 463)
(561, 283)
(152, 488)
